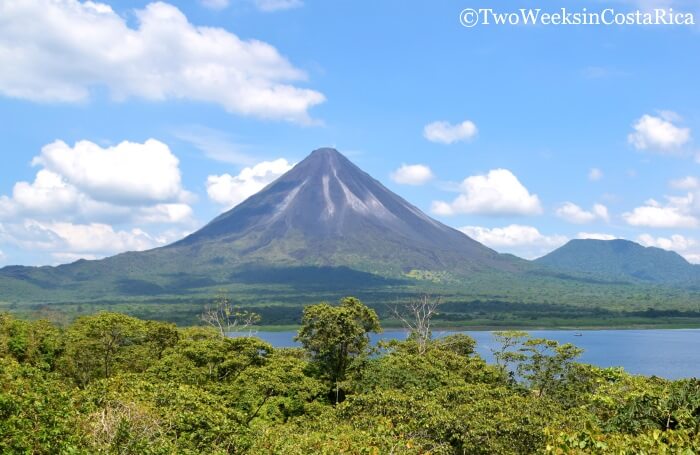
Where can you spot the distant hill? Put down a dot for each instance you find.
(622, 259)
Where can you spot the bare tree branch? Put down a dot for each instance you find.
(416, 316)
(225, 317)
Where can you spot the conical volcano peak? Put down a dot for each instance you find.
(324, 159)
(325, 152)
(326, 210)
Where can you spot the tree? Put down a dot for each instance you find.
(416, 315)
(161, 336)
(96, 344)
(225, 317)
(548, 364)
(335, 335)
(507, 342)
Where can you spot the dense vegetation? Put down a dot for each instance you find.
(482, 301)
(112, 383)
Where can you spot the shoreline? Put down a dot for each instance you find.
(496, 328)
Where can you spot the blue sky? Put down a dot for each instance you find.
(125, 125)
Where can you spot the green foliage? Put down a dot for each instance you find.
(38, 411)
(113, 384)
(334, 336)
(547, 365)
(101, 344)
(38, 343)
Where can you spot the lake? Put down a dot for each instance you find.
(671, 354)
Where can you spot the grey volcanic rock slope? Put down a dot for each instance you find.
(327, 211)
(622, 259)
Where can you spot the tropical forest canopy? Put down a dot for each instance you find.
(112, 383)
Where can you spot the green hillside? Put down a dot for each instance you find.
(622, 260)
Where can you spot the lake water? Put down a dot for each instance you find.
(671, 354)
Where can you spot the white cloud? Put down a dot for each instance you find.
(675, 242)
(497, 193)
(88, 183)
(164, 213)
(659, 133)
(686, 183)
(229, 190)
(128, 173)
(269, 6)
(49, 194)
(69, 242)
(595, 174)
(412, 174)
(100, 238)
(446, 133)
(685, 246)
(575, 214)
(59, 51)
(518, 239)
(673, 215)
(596, 236)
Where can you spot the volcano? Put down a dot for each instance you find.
(328, 212)
(324, 213)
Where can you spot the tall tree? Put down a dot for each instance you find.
(96, 344)
(335, 335)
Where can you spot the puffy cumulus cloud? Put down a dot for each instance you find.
(596, 236)
(230, 190)
(128, 173)
(69, 242)
(675, 242)
(659, 133)
(49, 194)
(595, 174)
(58, 51)
(685, 246)
(269, 6)
(100, 238)
(677, 213)
(446, 133)
(526, 241)
(497, 193)
(87, 183)
(412, 174)
(575, 214)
